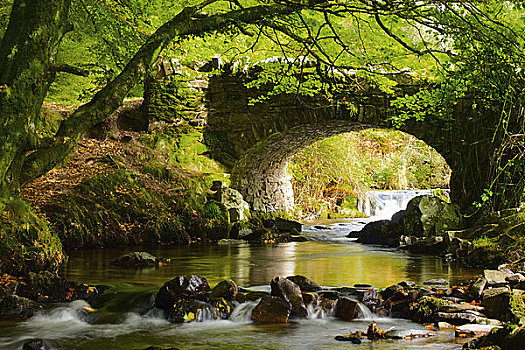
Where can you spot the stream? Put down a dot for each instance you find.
(328, 258)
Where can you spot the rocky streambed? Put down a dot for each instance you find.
(493, 304)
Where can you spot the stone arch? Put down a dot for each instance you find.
(260, 174)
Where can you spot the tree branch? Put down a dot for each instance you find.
(66, 68)
(107, 100)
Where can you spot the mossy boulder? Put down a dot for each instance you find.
(27, 243)
(506, 306)
(430, 215)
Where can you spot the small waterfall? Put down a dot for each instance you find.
(384, 204)
(364, 312)
(243, 312)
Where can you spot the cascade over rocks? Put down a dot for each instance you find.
(272, 310)
(191, 287)
(422, 228)
(289, 291)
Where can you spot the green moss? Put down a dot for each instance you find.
(425, 311)
(502, 240)
(216, 221)
(114, 209)
(26, 241)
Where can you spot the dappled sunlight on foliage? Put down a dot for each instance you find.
(334, 171)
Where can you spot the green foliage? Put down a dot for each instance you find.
(114, 209)
(328, 175)
(26, 241)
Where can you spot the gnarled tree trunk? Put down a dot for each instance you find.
(27, 55)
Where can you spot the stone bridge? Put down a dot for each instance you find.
(256, 140)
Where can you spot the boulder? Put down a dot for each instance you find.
(284, 225)
(271, 310)
(495, 277)
(182, 288)
(304, 283)
(136, 259)
(506, 306)
(232, 200)
(289, 291)
(377, 232)
(429, 216)
(225, 289)
(346, 308)
(189, 311)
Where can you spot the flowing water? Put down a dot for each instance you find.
(328, 258)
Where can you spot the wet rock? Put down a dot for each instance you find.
(505, 306)
(289, 291)
(189, 311)
(408, 284)
(346, 308)
(437, 282)
(304, 283)
(493, 291)
(460, 308)
(182, 288)
(136, 259)
(271, 310)
(37, 344)
(407, 334)
(378, 232)
(225, 289)
(459, 318)
(426, 310)
(389, 292)
(473, 330)
(310, 298)
(327, 304)
(242, 229)
(354, 338)
(13, 305)
(495, 277)
(48, 287)
(476, 289)
(260, 235)
(284, 225)
(372, 300)
(515, 278)
(223, 308)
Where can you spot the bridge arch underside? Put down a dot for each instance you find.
(260, 175)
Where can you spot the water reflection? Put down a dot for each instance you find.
(327, 264)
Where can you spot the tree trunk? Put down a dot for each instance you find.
(27, 51)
